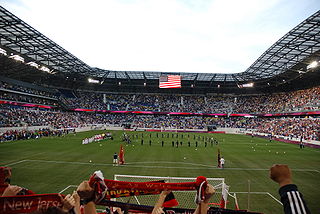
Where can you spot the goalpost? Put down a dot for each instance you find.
(185, 198)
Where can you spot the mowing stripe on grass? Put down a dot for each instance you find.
(156, 162)
(165, 167)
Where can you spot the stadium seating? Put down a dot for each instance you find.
(59, 118)
(285, 102)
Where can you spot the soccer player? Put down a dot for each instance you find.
(301, 143)
(222, 162)
(115, 159)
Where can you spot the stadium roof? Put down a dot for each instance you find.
(286, 59)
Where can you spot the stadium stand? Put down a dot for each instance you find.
(297, 101)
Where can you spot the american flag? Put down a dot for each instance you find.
(170, 81)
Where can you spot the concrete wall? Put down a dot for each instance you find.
(4, 129)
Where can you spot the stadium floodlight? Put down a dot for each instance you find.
(33, 64)
(312, 65)
(247, 85)
(17, 58)
(90, 80)
(3, 52)
(45, 69)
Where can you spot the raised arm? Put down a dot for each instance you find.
(291, 198)
(202, 208)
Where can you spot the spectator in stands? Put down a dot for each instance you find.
(158, 208)
(10, 190)
(291, 198)
(202, 208)
(70, 205)
(86, 193)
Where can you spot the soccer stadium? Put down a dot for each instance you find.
(82, 139)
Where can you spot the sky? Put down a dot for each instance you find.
(198, 36)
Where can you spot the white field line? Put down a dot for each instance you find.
(67, 162)
(275, 198)
(24, 160)
(67, 188)
(205, 167)
(14, 163)
(260, 193)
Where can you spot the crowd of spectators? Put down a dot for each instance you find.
(24, 117)
(89, 100)
(31, 91)
(302, 100)
(26, 99)
(309, 127)
(11, 135)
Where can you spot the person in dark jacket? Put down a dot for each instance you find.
(291, 198)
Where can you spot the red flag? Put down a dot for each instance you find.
(219, 165)
(121, 155)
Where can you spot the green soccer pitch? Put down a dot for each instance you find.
(52, 164)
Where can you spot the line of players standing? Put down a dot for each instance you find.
(198, 140)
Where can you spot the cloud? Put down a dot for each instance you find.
(219, 36)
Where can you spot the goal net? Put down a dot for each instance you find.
(185, 198)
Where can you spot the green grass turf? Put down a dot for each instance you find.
(53, 163)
